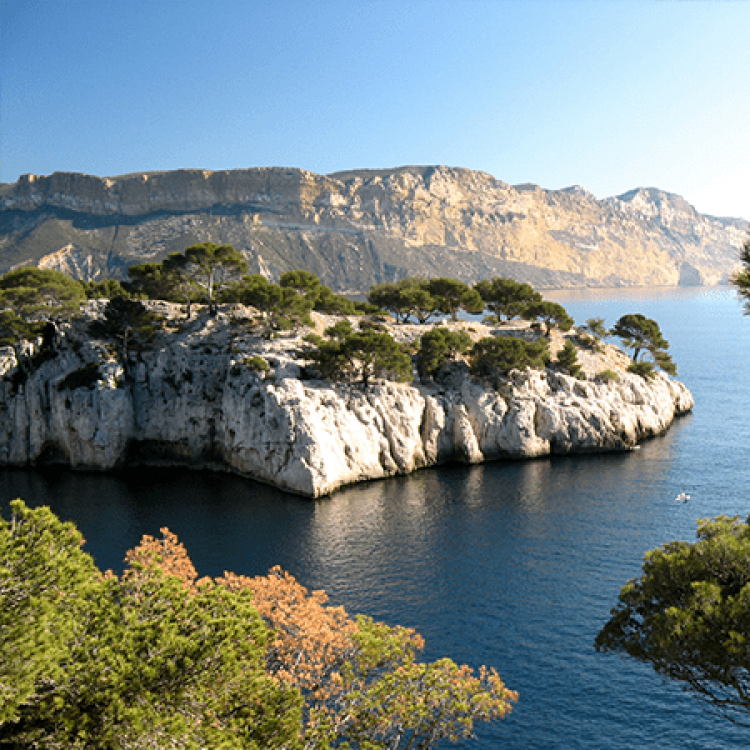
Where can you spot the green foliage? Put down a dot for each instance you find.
(501, 354)
(405, 298)
(644, 369)
(450, 296)
(94, 661)
(281, 308)
(741, 279)
(507, 298)
(105, 289)
(550, 314)
(335, 304)
(36, 294)
(639, 333)
(129, 323)
(424, 298)
(439, 345)
(158, 658)
(304, 282)
(360, 355)
(205, 269)
(86, 377)
(163, 281)
(590, 333)
(688, 616)
(595, 326)
(607, 376)
(14, 328)
(567, 359)
(256, 364)
(45, 583)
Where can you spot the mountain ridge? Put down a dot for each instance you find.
(355, 228)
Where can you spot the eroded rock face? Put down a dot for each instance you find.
(192, 400)
(355, 229)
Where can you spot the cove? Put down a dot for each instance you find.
(513, 565)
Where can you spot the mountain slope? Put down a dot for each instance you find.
(361, 227)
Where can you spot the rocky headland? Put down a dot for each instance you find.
(359, 228)
(190, 398)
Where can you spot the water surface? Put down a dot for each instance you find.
(515, 565)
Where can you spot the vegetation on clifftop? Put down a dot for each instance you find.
(354, 348)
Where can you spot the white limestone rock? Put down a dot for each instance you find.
(192, 401)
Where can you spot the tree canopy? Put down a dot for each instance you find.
(161, 658)
(741, 279)
(438, 346)
(208, 268)
(500, 354)
(405, 298)
(507, 298)
(688, 616)
(281, 307)
(40, 292)
(128, 323)
(550, 314)
(640, 333)
(359, 354)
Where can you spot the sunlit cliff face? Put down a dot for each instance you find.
(358, 228)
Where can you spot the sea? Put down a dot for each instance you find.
(515, 565)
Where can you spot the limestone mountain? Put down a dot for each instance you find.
(361, 227)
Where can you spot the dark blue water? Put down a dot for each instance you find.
(511, 565)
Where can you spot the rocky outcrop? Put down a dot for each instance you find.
(193, 400)
(358, 228)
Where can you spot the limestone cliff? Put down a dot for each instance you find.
(192, 399)
(355, 229)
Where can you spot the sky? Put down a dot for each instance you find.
(607, 94)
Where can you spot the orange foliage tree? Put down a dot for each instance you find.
(360, 680)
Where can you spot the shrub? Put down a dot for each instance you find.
(644, 369)
(439, 345)
(256, 364)
(607, 376)
(501, 354)
(567, 359)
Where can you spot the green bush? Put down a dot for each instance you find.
(501, 354)
(644, 369)
(567, 359)
(256, 364)
(437, 346)
(607, 376)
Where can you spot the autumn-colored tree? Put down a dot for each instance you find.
(144, 661)
(159, 658)
(361, 680)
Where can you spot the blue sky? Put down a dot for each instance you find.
(608, 94)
